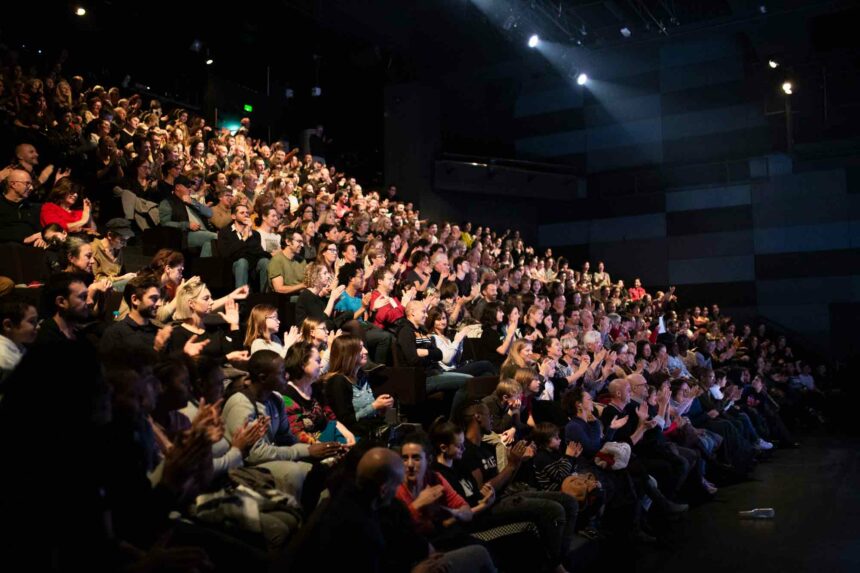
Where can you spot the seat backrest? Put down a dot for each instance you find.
(23, 264)
(156, 238)
(397, 357)
(481, 386)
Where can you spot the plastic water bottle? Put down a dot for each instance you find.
(758, 513)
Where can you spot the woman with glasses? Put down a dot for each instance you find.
(58, 209)
(327, 255)
(263, 328)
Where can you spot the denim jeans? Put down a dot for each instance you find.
(450, 381)
(471, 559)
(202, 239)
(241, 268)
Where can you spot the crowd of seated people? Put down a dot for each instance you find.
(611, 409)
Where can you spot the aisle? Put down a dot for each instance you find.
(816, 494)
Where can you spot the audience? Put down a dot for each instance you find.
(593, 375)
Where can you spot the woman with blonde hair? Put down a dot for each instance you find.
(263, 328)
(520, 356)
(193, 303)
(347, 390)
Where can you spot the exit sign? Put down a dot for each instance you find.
(249, 108)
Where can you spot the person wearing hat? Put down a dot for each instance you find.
(107, 253)
(180, 211)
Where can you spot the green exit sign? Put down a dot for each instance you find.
(249, 108)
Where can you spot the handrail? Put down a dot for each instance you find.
(481, 161)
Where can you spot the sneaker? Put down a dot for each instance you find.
(709, 487)
(763, 445)
(672, 507)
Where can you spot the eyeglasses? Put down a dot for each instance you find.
(273, 317)
(27, 184)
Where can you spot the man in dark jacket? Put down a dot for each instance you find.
(180, 211)
(19, 218)
(243, 246)
(418, 349)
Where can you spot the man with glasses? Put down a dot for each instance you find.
(286, 274)
(222, 211)
(19, 219)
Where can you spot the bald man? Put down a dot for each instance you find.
(380, 471)
(19, 218)
(641, 432)
(419, 350)
(28, 159)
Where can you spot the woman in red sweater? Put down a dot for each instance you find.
(58, 209)
(434, 505)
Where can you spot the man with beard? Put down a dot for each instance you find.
(66, 298)
(136, 332)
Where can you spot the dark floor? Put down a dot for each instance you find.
(815, 491)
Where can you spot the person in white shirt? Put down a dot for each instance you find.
(19, 323)
(268, 229)
(436, 324)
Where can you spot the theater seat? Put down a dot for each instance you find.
(156, 238)
(481, 386)
(23, 264)
(407, 384)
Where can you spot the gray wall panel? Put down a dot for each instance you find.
(712, 270)
(711, 245)
(709, 197)
(644, 258)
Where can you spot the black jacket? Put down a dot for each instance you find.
(231, 247)
(409, 340)
(18, 220)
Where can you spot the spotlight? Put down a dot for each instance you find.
(534, 40)
(763, 9)
(81, 11)
(773, 64)
(210, 61)
(581, 79)
(625, 31)
(316, 91)
(788, 88)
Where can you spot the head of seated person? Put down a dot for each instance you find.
(78, 255)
